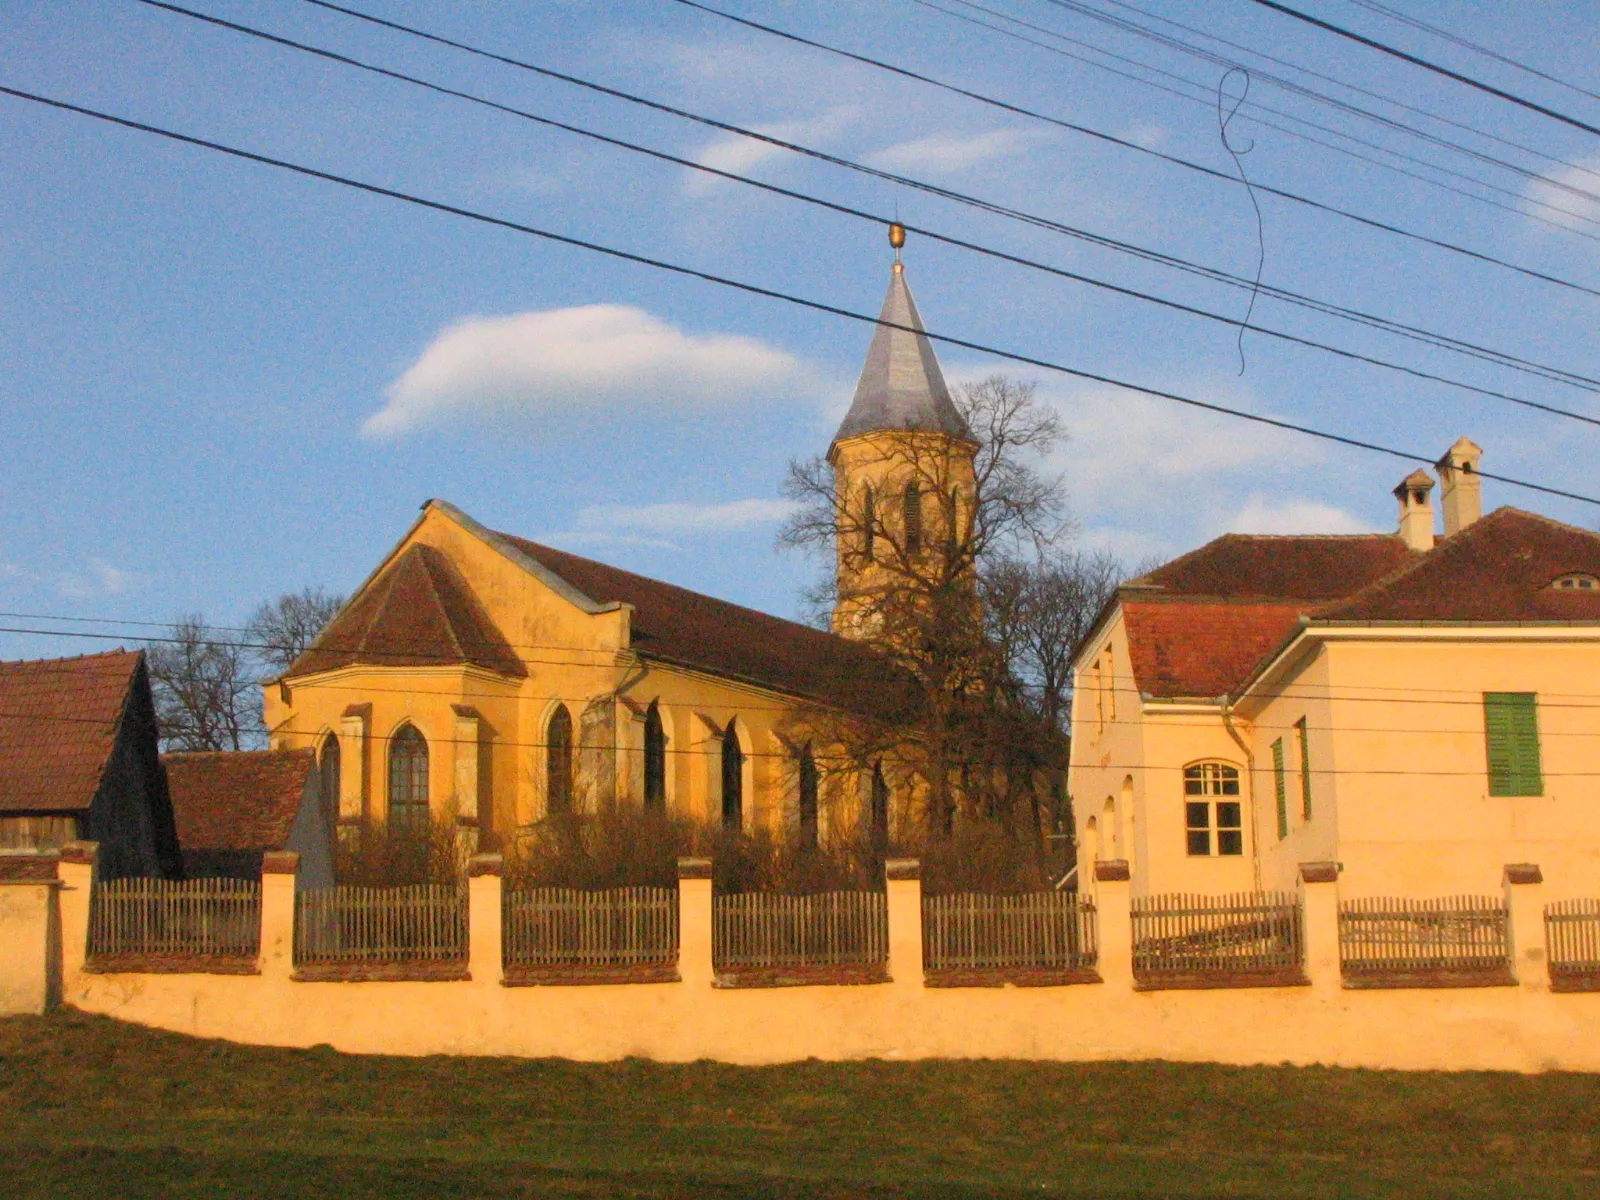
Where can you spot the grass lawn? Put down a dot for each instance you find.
(91, 1107)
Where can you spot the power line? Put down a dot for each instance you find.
(1083, 129)
(1416, 23)
(879, 219)
(1144, 31)
(769, 293)
(1414, 60)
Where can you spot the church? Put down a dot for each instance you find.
(480, 678)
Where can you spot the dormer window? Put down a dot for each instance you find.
(1575, 581)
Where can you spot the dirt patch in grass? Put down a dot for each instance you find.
(89, 1106)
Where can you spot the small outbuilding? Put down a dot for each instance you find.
(80, 758)
(234, 806)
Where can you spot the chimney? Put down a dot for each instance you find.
(1416, 511)
(1462, 493)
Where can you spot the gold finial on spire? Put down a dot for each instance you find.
(897, 238)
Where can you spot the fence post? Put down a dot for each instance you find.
(1319, 899)
(30, 977)
(1524, 887)
(485, 953)
(279, 869)
(694, 922)
(1114, 922)
(903, 878)
(79, 870)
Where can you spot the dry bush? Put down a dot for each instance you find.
(370, 855)
(980, 856)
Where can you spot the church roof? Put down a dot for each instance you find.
(417, 612)
(674, 625)
(901, 386)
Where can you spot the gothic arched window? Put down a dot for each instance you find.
(869, 518)
(655, 760)
(408, 780)
(558, 762)
(732, 779)
(328, 774)
(880, 809)
(913, 518)
(808, 798)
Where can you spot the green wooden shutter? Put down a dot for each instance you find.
(1305, 767)
(1511, 728)
(1277, 783)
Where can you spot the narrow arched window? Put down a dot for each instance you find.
(655, 760)
(328, 775)
(408, 780)
(880, 809)
(732, 779)
(808, 798)
(913, 518)
(869, 519)
(558, 762)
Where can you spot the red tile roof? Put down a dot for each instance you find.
(1497, 569)
(673, 624)
(59, 720)
(1296, 566)
(237, 799)
(418, 612)
(1201, 649)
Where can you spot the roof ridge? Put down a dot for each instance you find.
(387, 580)
(67, 658)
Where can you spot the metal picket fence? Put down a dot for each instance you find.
(760, 929)
(1251, 932)
(200, 918)
(1381, 935)
(1572, 934)
(1043, 930)
(349, 925)
(551, 927)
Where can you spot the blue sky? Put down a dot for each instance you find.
(219, 382)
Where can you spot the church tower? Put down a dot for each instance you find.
(903, 468)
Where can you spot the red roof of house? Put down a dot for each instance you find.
(418, 612)
(1201, 649)
(1497, 569)
(1295, 566)
(59, 720)
(237, 799)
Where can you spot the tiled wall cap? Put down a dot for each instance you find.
(280, 862)
(1524, 873)
(485, 864)
(694, 868)
(28, 866)
(1112, 870)
(86, 853)
(903, 868)
(1319, 872)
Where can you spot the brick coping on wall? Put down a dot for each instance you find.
(1436, 977)
(172, 964)
(775, 977)
(575, 976)
(379, 972)
(1579, 980)
(993, 977)
(1194, 980)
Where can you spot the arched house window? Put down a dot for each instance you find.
(655, 760)
(408, 780)
(1212, 812)
(732, 778)
(558, 762)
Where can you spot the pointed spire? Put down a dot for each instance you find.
(901, 386)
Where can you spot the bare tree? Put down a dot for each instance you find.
(282, 629)
(206, 689)
(908, 585)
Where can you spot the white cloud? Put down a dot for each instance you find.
(740, 155)
(950, 152)
(1261, 515)
(96, 579)
(577, 358)
(1578, 212)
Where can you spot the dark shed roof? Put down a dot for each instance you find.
(59, 721)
